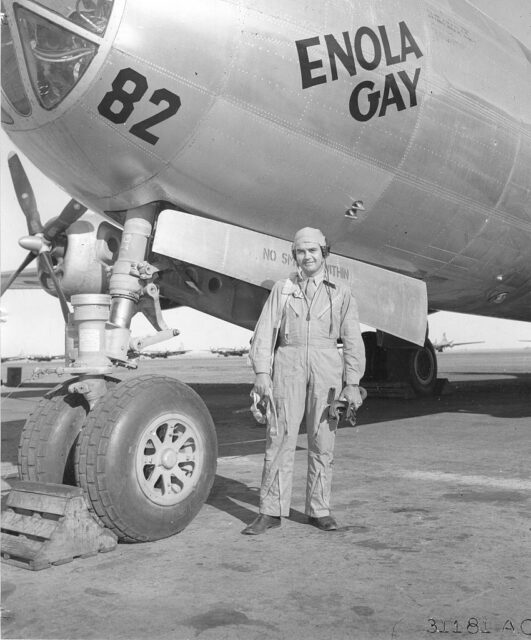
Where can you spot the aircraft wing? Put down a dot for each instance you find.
(457, 344)
(28, 279)
(386, 300)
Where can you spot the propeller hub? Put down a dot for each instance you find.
(35, 244)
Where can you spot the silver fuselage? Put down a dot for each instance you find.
(288, 112)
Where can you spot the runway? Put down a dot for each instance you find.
(433, 498)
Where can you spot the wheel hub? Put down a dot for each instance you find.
(169, 459)
(423, 365)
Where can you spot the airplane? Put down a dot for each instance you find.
(27, 280)
(194, 139)
(12, 358)
(444, 343)
(230, 351)
(163, 354)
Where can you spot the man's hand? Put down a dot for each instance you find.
(351, 393)
(262, 385)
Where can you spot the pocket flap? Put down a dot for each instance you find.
(335, 301)
(294, 304)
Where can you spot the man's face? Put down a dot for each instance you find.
(309, 257)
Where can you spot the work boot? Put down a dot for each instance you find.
(325, 523)
(261, 524)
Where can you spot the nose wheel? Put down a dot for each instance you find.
(47, 443)
(146, 458)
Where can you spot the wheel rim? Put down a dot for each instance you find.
(169, 459)
(423, 366)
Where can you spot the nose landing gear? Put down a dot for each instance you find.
(143, 450)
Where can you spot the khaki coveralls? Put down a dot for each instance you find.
(305, 365)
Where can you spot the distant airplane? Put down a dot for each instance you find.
(444, 343)
(163, 354)
(195, 138)
(230, 351)
(12, 358)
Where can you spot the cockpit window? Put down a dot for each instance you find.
(11, 79)
(6, 118)
(56, 58)
(92, 15)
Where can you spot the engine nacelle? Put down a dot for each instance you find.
(84, 263)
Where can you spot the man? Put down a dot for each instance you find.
(296, 361)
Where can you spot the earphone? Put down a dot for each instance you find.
(325, 250)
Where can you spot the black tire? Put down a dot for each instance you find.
(46, 449)
(418, 367)
(146, 458)
(422, 369)
(47, 442)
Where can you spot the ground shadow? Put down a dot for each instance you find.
(240, 435)
(33, 385)
(500, 398)
(227, 494)
(11, 430)
(25, 394)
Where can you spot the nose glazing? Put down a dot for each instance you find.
(55, 51)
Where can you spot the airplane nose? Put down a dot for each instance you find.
(110, 106)
(55, 46)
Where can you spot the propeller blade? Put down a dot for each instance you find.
(24, 193)
(72, 212)
(46, 264)
(27, 260)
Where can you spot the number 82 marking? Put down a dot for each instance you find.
(127, 96)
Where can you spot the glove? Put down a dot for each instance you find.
(344, 409)
(260, 408)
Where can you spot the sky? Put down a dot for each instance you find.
(34, 321)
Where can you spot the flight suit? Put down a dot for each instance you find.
(296, 340)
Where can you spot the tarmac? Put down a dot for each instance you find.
(433, 498)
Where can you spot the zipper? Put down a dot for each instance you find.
(308, 318)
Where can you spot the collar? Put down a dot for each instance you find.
(292, 286)
(318, 277)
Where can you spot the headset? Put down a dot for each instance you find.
(325, 250)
